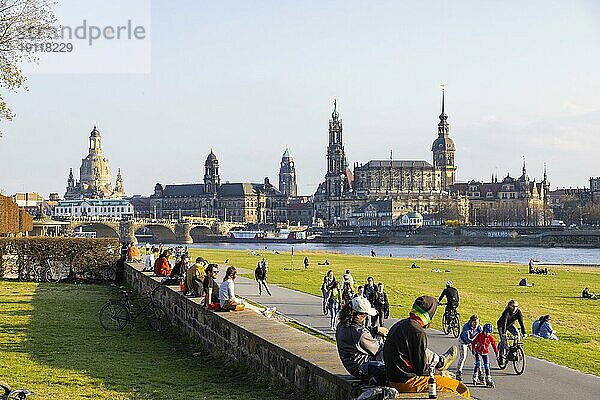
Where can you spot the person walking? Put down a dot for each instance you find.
(467, 335)
(260, 274)
(305, 262)
(328, 280)
(381, 304)
(334, 300)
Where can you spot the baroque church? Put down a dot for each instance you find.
(94, 175)
(412, 185)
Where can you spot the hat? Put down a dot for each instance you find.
(362, 305)
(424, 307)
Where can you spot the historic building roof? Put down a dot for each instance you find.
(396, 164)
(184, 190)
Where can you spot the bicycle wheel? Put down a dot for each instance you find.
(519, 361)
(445, 324)
(114, 316)
(455, 326)
(56, 272)
(158, 319)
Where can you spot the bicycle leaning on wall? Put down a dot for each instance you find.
(116, 314)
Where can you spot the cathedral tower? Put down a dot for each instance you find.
(443, 150)
(212, 181)
(287, 175)
(335, 179)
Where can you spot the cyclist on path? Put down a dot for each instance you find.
(509, 316)
(452, 298)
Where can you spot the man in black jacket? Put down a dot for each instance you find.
(452, 298)
(407, 359)
(260, 274)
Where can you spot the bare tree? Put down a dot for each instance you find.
(23, 25)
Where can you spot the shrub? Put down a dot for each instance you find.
(17, 254)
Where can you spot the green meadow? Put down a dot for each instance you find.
(485, 288)
(51, 342)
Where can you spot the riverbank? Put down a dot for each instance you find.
(484, 287)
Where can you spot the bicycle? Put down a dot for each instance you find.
(116, 314)
(46, 270)
(514, 354)
(9, 394)
(451, 322)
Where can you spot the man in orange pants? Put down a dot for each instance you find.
(407, 358)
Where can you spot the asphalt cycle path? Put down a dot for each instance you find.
(541, 380)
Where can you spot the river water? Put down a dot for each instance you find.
(520, 255)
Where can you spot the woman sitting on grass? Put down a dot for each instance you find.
(542, 328)
(227, 292)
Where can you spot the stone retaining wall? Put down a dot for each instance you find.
(270, 347)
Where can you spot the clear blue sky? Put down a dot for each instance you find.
(247, 78)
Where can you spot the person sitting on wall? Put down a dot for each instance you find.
(408, 361)
(194, 277)
(133, 253)
(161, 265)
(211, 288)
(181, 267)
(227, 297)
(360, 348)
(150, 260)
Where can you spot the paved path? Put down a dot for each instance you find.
(542, 380)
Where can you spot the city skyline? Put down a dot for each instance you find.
(259, 85)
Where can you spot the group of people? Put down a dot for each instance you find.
(400, 356)
(335, 297)
(198, 279)
(536, 270)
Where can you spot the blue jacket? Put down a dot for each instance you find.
(545, 331)
(468, 333)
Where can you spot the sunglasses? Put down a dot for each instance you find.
(216, 272)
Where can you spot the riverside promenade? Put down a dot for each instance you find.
(541, 380)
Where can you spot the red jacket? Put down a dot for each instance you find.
(162, 267)
(481, 343)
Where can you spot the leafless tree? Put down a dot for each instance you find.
(23, 24)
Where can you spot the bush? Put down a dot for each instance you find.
(18, 254)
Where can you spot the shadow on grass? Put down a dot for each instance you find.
(65, 334)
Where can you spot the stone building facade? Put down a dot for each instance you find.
(251, 203)
(413, 185)
(94, 175)
(510, 202)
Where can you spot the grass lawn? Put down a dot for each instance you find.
(484, 288)
(52, 343)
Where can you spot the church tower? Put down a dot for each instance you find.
(335, 179)
(119, 190)
(287, 175)
(212, 181)
(443, 150)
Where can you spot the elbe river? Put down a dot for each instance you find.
(519, 255)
